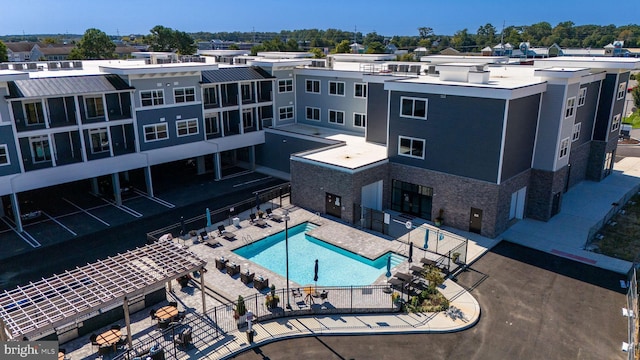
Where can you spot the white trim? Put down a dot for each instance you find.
(615, 123)
(155, 126)
(412, 139)
(187, 121)
(336, 117)
(306, 113)
(582, 96)
(100, 131)
(363, 120)
(86, 108)
(575, 136)
(487, 92)
(6, 154)
(175, 97)
(286, 86)
(502, 142)
(152, 98)
(337, 87)
(306, 88)
(565, 141)
(413, 107)
(570, 110)
(622, 90)
(365, 87)
(287, 112)
(216, 116)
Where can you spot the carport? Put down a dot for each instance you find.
(58, 307)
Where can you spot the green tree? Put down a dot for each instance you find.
(292, 45)
(161, 39)
(49, 40)
(317, 53)
(234, 47)
(486, 35)
(425, 32)
(463, 41)
(636, 96)
(183, 43)
(3, 52)
(375, 47)
(343, 47)
(95, 44)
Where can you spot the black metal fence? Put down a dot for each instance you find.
(268, 198)
(217, 322)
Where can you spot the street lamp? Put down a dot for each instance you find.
(286, 247)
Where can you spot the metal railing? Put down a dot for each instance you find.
(632, 319)
(615, 208)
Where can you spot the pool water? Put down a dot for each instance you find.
(336, 266)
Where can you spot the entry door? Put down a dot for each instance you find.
(333, 205)
(555, 206)
(475, 221)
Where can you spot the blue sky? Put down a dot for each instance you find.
(384, 17)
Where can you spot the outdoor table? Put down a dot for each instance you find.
(167, 312)
(232, 269)
(109, 338)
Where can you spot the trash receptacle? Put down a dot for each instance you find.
(236, 221)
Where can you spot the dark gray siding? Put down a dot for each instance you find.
(377, 102)
(277, 149)
(609, 86)
(463, 134)
(551, 117)
(148, 117)
(6, 138)
(585, 114)
(520, 138)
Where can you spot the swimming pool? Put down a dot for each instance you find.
(336, 266)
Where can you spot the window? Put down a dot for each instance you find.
(359, 120)
(210, 95)
(4, 155)
(187, 127)
(313, 113)
(247, 118)
(621, 88)
(411, 147)
(415, 108)
(564, 147)
(33, 113)
(313, 86)
(582, 96)
(360, 91)
(94, 107)
(211, 125)
(99, 140)
(155, 132)
(152, 98)
(576, 132)
(285, 85)
(336, 117)
(571, 107)
(182, 95)
(247, 92)
(40, 149)
(336, 88)
(615, 124)
(286, 112)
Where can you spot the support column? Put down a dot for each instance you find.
(94, 186)
(15, 207)
(127, 322)
(148, 181)
(252, 157)
(117, 194)
(217, 166)
(204, 300)
(200, 165)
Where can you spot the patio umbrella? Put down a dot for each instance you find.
(208, 217)
(410, 253)
(388, 274)
(426, 239)
(315, 273)
(257, 202)
(182, 231)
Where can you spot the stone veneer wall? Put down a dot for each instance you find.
(540, 197)
(310, 183)
(507, 188)
(579, 160)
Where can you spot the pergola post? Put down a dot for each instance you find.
(3, 331)
(204, 301)
(169, 283)
(127, 322)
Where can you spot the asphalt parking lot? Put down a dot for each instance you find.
(534, 306)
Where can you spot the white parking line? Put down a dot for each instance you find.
(121, 207)
(59, 223)
(86, 212)
(158, 200)
(24, 236)
(252, 181)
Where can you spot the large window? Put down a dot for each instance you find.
(40, 151)
(152, 97)
(285, 112)
(621, 88)
(247, 92)
(582, 96)
(359, 120)
(99, 140)
(187, 127)
(210, 95)
(313, 113)
(211, 124)
(155, 132)
(615, 123)
(33, 113)
(182, 95)
(313, 86)
(576, 132)
(360, 90)
(336, 117)
(336, 88)
(247, 118)
(285, 85)
(94, 107)
(414, 108)
(4, 155)
(570, 108)
(564, 147)
(411, 147)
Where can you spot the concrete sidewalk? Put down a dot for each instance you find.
(464, 313)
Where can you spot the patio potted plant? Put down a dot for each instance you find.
(455, 257)
(440, 219)
(272, 299)
(260, 214)
(240, 313)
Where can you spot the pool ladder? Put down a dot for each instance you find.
(247, 239)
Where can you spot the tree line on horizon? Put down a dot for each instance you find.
(95, 44)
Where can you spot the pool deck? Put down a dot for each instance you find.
(464, 314)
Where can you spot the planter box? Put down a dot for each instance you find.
(260, 284)
(247, 278)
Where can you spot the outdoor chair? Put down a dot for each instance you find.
(94, 340)
(272, 216)
(163, 324)
(204, 236)
(152, 314)
(324, 294)
(116, 327)
(257, 222)
(183, 339)
(226, 234)
(296, 292)
(173, 303)
(403, 276)
(212, 242)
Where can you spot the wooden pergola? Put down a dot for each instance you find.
(38, 309)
